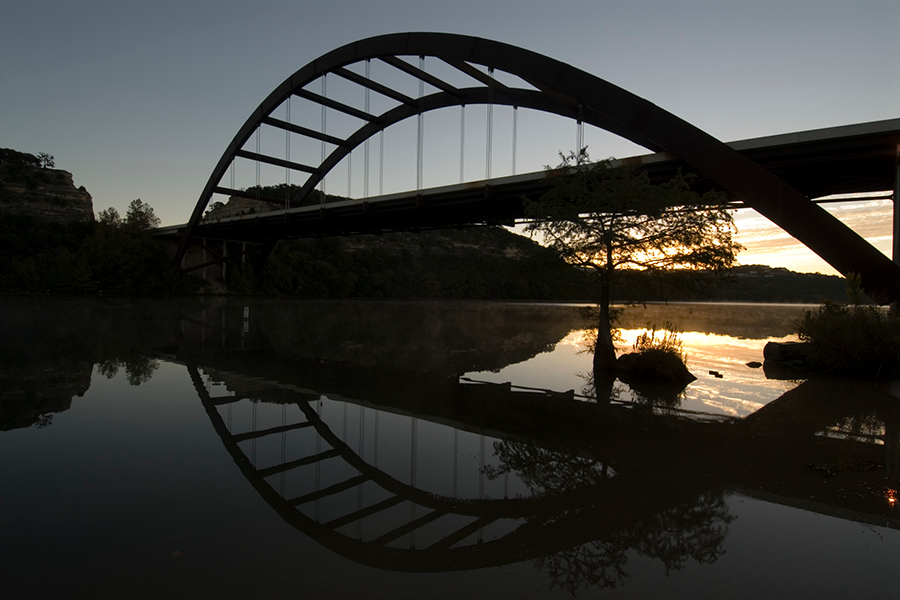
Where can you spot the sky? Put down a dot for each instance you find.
(140, 99)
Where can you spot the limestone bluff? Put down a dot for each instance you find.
(45, 194)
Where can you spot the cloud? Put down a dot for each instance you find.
(768, 244)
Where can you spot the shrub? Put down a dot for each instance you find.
(669, 342)
(852, 339)
(658, 360)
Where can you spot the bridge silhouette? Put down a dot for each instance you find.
(775, 176)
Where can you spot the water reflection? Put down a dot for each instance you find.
(561, 504)
(575, 487)
(363, 426)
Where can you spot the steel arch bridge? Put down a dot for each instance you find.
(549, 86)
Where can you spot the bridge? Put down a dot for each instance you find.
(777, 176)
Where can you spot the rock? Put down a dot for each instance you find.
(46, 195)
(655, 366)
(754, 364)
(787, 352)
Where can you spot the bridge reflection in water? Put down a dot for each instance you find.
(415, 472)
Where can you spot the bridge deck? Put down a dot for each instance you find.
(836, 160)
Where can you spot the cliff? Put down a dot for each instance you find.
(47, 195)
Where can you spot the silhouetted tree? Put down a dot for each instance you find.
(140, 216)
(605, 218)
(46, 160)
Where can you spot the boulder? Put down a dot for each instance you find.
(787, 352)
(653, 366)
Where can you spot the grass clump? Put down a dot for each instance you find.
(659, 359)
(669, 342)
(860, 340)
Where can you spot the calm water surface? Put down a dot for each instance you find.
(176, 449)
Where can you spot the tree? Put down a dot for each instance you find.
(140, 216)
(110, 216)
(47, 161)
(214, 206)
(604, 217)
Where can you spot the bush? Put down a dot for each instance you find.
(669, 342)
(656, 359)
(852, 339)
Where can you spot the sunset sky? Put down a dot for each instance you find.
(140, 99)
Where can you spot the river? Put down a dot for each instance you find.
(244, 448)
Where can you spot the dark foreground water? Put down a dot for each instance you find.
(428, 450)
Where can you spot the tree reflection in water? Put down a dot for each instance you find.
(694, 530)
(138, 369)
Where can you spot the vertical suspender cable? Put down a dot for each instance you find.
(515, 131)
(283, 439)
(481, 483)
(258, 127)
(318, 451)
(287, 157)
(896, 231)
(579, 130)
(366, 144)
(381, 163)
(412, 505)
(490, 127)
(350, 174)
(462, 141)
(421, 133)
(359, 488)
(253, 428)
(322, 181)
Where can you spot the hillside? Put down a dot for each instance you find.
(476, 263)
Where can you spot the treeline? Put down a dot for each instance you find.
(113, 255)
(748, 283)
(492, 263)
(45, 254)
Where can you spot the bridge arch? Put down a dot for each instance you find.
(558, 88)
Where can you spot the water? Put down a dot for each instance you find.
(154, 449)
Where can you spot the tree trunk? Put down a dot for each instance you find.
(605, 352)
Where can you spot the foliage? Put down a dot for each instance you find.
(669, 341)
(605, 219)
(672, 534)
(140, 217)
(13, 160)
(26, 168)
(47, 161)
(110, 256)
(852, 339)
(214, 206)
